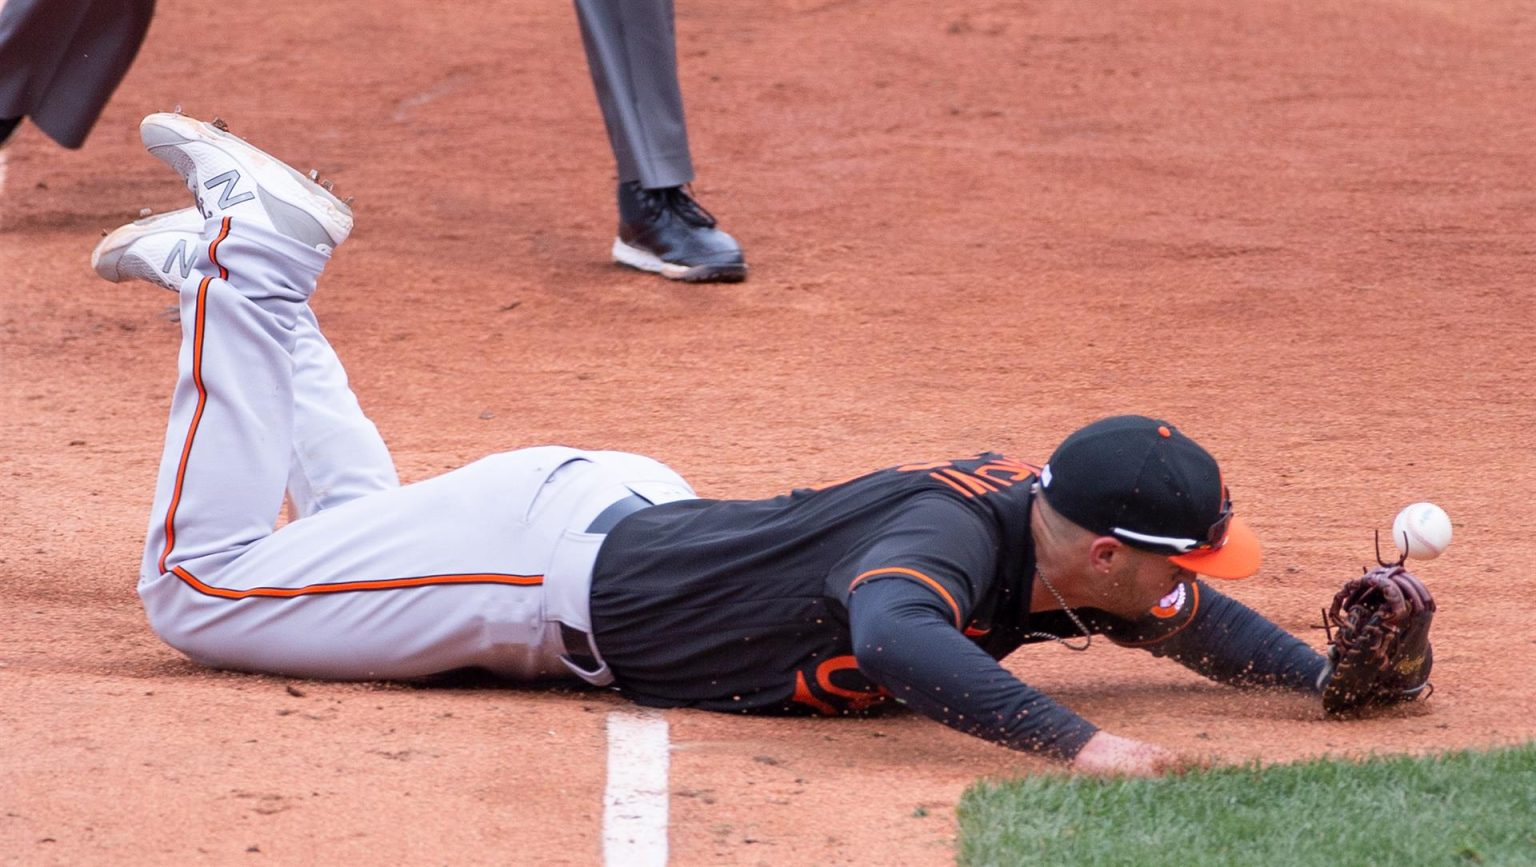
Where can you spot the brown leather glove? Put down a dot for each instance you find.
(1378, 648)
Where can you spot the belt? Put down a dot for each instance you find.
(581, 654)
(580, 651)
(609, 518)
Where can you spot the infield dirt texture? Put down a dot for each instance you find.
(1304, 231)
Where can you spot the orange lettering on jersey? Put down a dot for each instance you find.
(803, 695)
(945, 480)
(971, 482)
(858, 700)
(1006, 471)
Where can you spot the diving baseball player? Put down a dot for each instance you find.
(906, 585)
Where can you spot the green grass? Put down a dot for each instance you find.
(1466, 808)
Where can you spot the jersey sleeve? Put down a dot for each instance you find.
(1222, 639)
(903, 641)
(935, 543)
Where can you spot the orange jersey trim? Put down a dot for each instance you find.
(913, 573)
(213, 248)
(355, 586)
(198, 333)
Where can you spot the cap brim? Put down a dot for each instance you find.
(1238, 558)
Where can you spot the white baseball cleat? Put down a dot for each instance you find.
(159, 249)
(230, 177)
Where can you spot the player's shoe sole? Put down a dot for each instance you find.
(159, 249)
(231, 177)
(634, 257)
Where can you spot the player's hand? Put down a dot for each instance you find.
(1112, 755)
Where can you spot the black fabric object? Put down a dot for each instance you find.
(60, 60)
(1231, 643)
(903, 642)
(741, 605)
(1137, 474)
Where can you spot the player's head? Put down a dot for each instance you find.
(1142, 482)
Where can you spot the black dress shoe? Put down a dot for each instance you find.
(7, 126)
(665, 231)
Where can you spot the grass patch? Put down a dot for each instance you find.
(1464, 808)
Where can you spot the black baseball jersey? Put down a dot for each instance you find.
(743, 604)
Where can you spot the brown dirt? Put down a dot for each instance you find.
(1303, 231)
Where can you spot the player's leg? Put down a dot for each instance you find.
(338, 454)
(442, 574)
(268, 235)
(230, 436)
(398, 583)
(632, 54)
(337, 451)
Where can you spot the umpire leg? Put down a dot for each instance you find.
(60, 60)
(632, 53)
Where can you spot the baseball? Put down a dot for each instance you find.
(1422, 531)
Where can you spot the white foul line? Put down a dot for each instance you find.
(635, 803)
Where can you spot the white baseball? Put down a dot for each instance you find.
(1422, 531)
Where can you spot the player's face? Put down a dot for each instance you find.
(1139, 580)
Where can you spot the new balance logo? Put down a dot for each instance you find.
(228, 180)
(180, 258)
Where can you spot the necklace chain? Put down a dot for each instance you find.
(1087, 636)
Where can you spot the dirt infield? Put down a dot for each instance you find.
(1304, 231)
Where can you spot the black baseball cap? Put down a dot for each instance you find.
(1142, 481)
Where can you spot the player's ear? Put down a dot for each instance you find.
(1104, 552)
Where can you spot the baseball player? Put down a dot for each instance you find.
(60, 61)
(905, 585)
(632, 54)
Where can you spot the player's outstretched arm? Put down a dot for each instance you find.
(905, 640)
(1230, 643)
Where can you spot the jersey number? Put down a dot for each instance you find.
(830, 694)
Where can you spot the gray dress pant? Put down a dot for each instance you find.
(632, 52)
(60, 60)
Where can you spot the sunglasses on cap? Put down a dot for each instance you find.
(1215, 535)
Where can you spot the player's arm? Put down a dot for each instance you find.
(1226, 641)
(905, 640)
(908, 595)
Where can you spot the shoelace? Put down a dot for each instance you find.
(676, 200)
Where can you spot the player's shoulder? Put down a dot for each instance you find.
(966, 479)
(975, 476)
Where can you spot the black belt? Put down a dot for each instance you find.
(609, 518)
(579, 647)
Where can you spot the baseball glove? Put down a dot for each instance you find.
(1378, 646)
